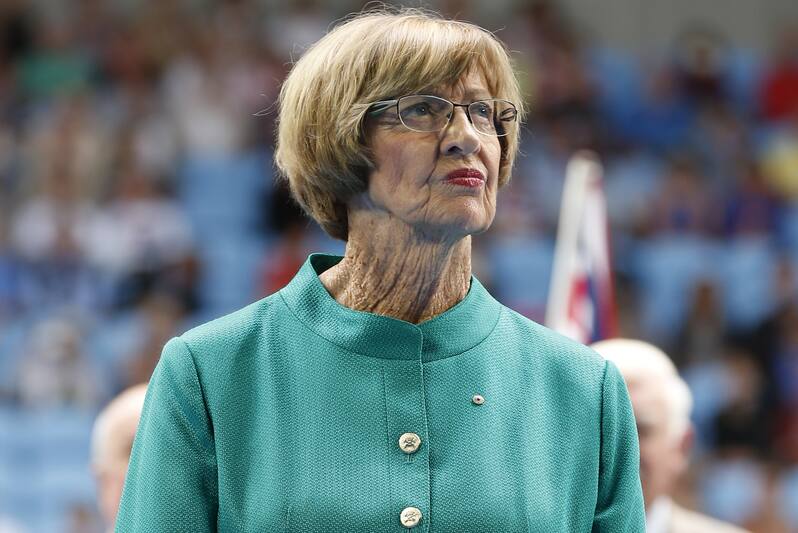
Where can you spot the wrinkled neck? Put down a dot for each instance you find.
(392, 269)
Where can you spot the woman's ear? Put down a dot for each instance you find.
(687, 440)
(685, 446)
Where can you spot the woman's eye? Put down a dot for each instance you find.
(420, 109)
(483, 110)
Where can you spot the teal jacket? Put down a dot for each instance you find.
(286, 416)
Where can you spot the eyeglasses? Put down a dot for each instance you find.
(426, 113)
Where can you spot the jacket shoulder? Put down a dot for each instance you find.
(234, 330)
(552, 350)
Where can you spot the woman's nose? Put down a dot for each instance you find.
(459, 136)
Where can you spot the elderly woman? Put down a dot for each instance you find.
(387, 390)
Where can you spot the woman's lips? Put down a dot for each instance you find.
(467, 177)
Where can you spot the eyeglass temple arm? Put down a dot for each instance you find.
(508, 114)
(379, 107)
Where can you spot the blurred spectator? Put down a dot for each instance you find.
(69, 137)
(559, 80)
(54, 65)
(213, 88)
(682, 206)
(50, 234)
(775, 342)
(703, 334)
(143, 237)
(785, 378)
(721, 141)
(563, 85)
(662, 403)
(54, 370)
(779, 88)
(147, 137)
(752, 208)
(700, 66)
(741, 427)
(16, 30)
(780, 159)
(111, 444)
(661, 118)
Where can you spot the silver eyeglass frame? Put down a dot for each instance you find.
(381, 106)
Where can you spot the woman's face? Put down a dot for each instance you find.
(413, 179)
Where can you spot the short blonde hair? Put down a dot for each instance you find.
(374, 56)
(638, 360)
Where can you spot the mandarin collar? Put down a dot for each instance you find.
(454, 331)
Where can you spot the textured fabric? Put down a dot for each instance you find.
(286, 416)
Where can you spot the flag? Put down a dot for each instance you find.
(581, 303)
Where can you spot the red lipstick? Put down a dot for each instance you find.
(467, 177)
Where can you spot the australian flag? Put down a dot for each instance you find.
(581, 303)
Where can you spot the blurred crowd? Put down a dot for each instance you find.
(138, 198)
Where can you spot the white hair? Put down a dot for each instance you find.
(638, 360)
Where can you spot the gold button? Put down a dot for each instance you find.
(409, 442)
(410, 516)
(478, 400)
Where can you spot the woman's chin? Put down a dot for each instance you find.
(458, 226)
(472, 220)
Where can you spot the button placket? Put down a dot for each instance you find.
(407, 432)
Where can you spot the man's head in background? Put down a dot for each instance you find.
(111, 443)
(662, 404)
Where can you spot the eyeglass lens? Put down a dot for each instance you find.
(430, 113)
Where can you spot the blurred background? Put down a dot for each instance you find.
(138, 198)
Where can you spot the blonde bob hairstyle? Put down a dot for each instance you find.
(374, 56)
